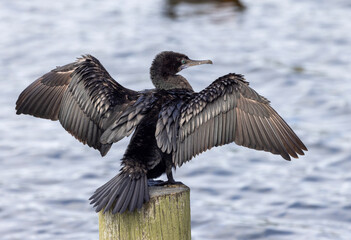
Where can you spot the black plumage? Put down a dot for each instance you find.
(171, 123)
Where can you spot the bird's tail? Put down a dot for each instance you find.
(121, 192)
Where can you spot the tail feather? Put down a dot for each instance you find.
(102, 191)
(134, 199)
(124, 199)
(146, 191)
(122, 192)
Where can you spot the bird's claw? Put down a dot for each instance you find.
(152, 182)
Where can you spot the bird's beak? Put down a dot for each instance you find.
(190, 63)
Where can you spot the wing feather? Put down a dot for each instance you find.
(226, 111)
(82, 96)
(38, 98)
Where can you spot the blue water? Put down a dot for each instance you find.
(295, 53)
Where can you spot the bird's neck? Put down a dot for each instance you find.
(166, 81)
(171, 82)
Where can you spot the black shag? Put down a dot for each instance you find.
(171, 123)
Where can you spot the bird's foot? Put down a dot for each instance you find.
(152, 182)
(173, 182)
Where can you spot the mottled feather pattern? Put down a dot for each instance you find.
(87, 101)
(168, 120)
(97, 85)
(166, 128)
(189, 110)
(130, 118)
(82, 96)
(227, 110)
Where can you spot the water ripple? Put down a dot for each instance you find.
(295, 53)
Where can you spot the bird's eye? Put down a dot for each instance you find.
(183, 61)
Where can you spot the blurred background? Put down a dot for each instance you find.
(295, 53)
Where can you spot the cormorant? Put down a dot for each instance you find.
(171, 123)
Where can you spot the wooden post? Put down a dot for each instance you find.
(166, 216)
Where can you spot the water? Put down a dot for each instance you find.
(295, 53)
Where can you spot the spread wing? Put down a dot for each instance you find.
(82, 96)
(226, 111)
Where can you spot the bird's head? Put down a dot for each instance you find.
(172, 62)
(167, 64)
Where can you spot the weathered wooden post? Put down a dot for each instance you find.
(166, 216)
